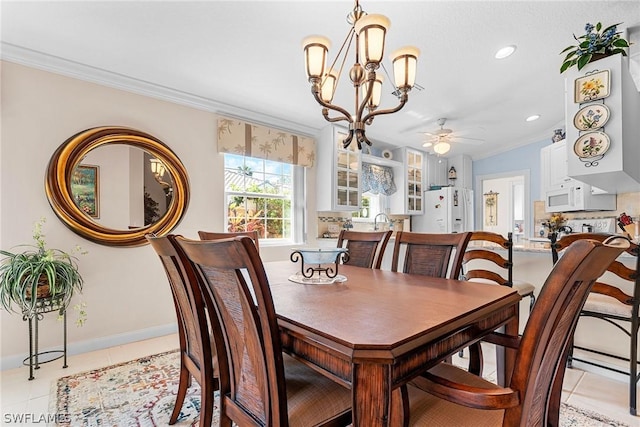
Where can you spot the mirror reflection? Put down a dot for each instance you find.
(137, 185)
(114, 185)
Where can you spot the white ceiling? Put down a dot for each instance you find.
(247, 56)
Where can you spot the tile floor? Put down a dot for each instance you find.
(19, 396)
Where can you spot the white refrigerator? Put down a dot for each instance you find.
(448, 210)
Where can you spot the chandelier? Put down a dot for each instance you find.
(368, 32)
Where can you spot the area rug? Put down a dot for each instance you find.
(142, 393)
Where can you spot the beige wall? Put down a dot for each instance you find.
(125, 290)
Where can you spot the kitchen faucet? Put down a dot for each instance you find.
(375, 220)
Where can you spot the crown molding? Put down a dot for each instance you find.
(54, 64)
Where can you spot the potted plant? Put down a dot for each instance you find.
(36, 273)
(595, 44)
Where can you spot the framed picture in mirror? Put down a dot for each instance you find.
(85, 187)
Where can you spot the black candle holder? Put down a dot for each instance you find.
(326, 259)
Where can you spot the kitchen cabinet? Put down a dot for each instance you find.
(614, 168)
(337, 177)
(562, 193)
(437, 171)
(554, 166)
(410, 182)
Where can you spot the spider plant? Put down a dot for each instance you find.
(22, 273)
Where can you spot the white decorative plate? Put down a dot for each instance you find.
(387, 154)
(591, 144)
(593, 116)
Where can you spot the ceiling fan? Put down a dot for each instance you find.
(443, 136)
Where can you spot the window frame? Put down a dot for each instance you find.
(297, 199)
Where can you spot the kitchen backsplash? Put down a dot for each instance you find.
(330, 223)
(628, 203)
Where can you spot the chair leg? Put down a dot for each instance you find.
(475, 359)
(633, 368)
(183, 385)
(206, 405)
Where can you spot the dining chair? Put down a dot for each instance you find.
(483, 264)
(480, 262)
(366, 248)
(430, 254)
(615, 303)
(450, 396)
(214, 235)
(259, 384)
(197, 351)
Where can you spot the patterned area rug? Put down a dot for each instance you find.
(142, 393)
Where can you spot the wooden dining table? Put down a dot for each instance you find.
(378, 329)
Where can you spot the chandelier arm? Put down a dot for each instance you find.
(347, 141)
(362, 138)
(403, 100)
(325, 114)
(315, 90)
(365, 100)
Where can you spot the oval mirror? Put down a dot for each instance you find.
(113, 185)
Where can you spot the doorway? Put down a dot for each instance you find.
(503, 204)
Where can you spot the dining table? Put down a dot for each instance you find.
(377, 330)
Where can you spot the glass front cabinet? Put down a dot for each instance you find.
(337, 179)
(409, 198)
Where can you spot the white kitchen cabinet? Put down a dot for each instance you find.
(337, 177)
(615, 168)
(410, 182)
(554, 166)
(437, 170)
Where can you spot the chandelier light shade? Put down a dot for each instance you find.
(442, 147)
(368, 32)
(157, 168)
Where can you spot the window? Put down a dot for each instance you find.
(260, 195)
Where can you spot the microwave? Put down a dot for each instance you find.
(578, 196)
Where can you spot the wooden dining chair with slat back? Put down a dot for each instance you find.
(197, 351)
(430, 254)
(259, 384)
(615, 299)
(487, 261)
(484, 264)
(214, 235)
(366, 248)
(450, 396)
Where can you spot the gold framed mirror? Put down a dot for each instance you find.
(62, 175)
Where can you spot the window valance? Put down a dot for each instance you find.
(377, 179)
(239, 137)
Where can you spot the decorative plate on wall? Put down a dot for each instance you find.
(591, 144)
(593, 116)
(387, 154)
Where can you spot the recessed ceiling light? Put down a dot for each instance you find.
(505, 52)
(427, 144)
(532, 118)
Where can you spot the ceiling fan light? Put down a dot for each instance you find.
(371, 30)
(505, 52)
(405, 63)
(442, 147)
(315, 55)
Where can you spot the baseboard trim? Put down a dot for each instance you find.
(15, 361)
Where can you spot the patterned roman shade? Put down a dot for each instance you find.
(377, 179)
(239, 137)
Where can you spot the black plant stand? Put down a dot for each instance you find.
(44, 305)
